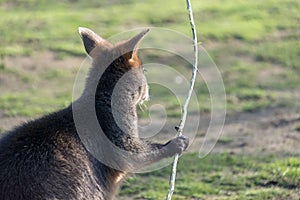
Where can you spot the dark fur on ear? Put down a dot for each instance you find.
(89, 38)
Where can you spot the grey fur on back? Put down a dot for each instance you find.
(46, 159)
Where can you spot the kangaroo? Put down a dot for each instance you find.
(47, 158)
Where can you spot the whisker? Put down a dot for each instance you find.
(140, 105)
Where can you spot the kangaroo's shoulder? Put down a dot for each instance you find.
(53, 127)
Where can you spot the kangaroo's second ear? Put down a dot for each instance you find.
(89, 38)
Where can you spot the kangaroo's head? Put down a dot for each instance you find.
(116, 70)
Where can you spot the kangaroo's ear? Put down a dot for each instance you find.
(130, 46)
(90, 39)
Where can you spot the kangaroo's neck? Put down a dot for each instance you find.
(116, 115)
(111, 100)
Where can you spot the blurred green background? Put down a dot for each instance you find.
(255, 44)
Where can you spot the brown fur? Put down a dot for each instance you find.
(46, 158)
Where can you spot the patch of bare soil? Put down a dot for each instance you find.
(39, 61)
(30, 67)
(270, 131)
(7, 123)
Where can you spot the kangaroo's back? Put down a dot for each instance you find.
(44, 159)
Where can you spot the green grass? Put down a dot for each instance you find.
(255, 44)
(225, 140)
(284, 52)
(31, 103)
(44, 21)
(223, 176)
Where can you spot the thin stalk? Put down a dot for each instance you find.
(187, 100)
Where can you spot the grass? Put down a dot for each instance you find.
(221, 176)
(255, 45)
(280, 52)
(243, 23)
(35, 93)
(255, 48)
(225, 140)
(40, 103)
